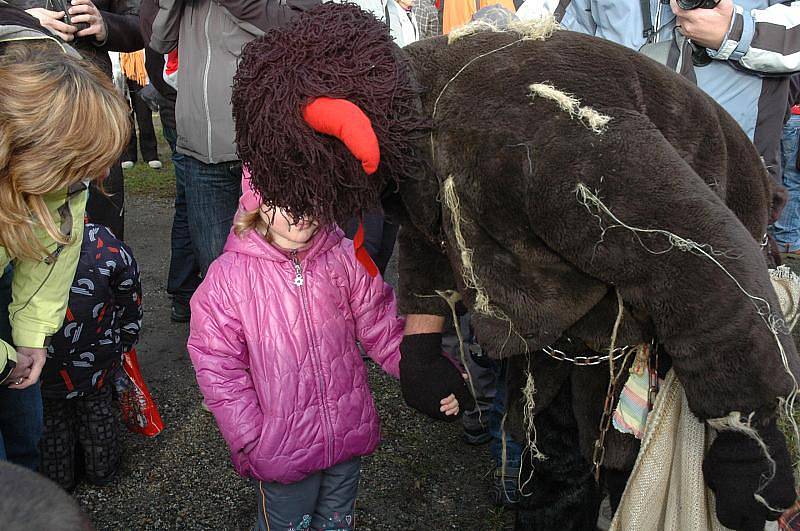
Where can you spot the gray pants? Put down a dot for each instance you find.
(325, 500)
(483, 378)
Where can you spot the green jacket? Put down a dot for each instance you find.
(40, 289)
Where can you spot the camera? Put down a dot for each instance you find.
(64, 5)
(697, 4)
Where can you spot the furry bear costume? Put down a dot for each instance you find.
(579, 197)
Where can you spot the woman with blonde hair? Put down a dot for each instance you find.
(62, 125)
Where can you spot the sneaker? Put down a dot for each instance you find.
(180, 312)
(128, 164)
(505, 487)
(155, 164)
(477, 436)
(605, 515)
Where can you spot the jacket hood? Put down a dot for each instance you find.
(253, 244)
(17, 25)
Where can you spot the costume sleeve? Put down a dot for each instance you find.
(576, 15)
(221, 362)
(122, 27)
(266, 14)
(629, 211)
(764, 40)
(423, 271)
(127, 289)
(378, 327)
(40, 289)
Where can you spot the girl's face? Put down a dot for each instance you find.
(285, 233)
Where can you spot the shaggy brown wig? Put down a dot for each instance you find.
(334, 50)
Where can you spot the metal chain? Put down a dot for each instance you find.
(599, 454)
(583, 360)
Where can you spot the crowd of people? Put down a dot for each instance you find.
(285, 306)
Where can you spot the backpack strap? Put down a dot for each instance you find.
(648, 31)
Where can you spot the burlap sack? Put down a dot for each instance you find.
(666, 490)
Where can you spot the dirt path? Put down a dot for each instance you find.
(423, 477)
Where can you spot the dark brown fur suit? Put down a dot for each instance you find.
(669, 159)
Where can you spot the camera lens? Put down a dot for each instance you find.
(694, 4)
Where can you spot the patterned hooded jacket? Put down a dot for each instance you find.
(103, 318)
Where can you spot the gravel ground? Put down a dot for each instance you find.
(423, 477)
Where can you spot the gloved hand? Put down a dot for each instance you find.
(735, 469)
(426, 376)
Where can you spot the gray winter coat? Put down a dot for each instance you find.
(209, 35)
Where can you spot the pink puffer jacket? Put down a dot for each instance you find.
(273, 343)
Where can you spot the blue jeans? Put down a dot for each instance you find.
(184, 271)
(513, 449)
(212, 197)
(20, 409)
(787, 229)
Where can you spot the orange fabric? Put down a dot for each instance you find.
(347, 122)
(459, 12)
(361, 252)
(132, 65)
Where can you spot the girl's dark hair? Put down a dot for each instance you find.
(334, 50)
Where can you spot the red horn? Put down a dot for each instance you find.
(347, 122)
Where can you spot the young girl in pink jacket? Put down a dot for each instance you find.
(273, 341)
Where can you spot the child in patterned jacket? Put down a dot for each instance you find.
(103, 321)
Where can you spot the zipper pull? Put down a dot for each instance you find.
(298, 272)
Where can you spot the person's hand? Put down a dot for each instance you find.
(737, 470)
(426, 375)
(52, 20)
(34, 358)
(20, 371)
(84, 11)
(705, 27)
(449, 405)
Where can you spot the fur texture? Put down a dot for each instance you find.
(669, 158)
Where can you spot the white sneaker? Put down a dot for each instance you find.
(155, 164)
(126, 165)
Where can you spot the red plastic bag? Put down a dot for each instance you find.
(139, 411)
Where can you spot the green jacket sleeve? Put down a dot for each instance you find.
(40, 289)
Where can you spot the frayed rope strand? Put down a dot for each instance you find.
(763, 309)
(451, 298)
(482, 304)
(569, 103)
(536, 30)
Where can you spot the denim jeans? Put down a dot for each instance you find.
(20, 409)
(184, 271)
(496, 414)
(212, 197)
(787, 229)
